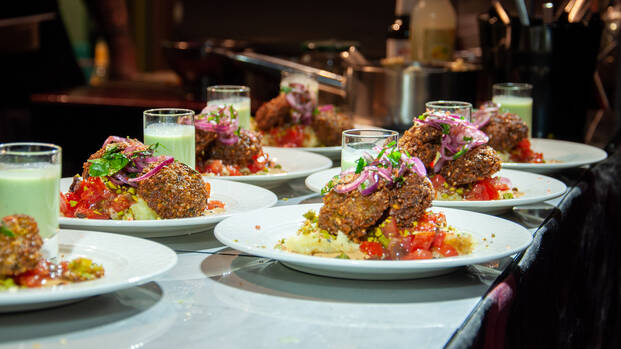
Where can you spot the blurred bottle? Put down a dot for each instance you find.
(101, 63)
(432, 30)
(398, 36)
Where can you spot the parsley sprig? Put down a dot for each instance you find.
(6, 231)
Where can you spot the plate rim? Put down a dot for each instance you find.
(562, 165)
(189, 221)
(349, 265)
(61, 293)
(286, 176)
(485, 203)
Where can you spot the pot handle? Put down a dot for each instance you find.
(322, 76)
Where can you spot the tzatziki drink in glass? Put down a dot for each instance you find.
(358, 141)
(515, 98)
(174, 130)
(30, 184)
(232, 95)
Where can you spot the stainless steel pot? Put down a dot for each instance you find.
(381, 96)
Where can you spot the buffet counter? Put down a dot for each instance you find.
(217, 296)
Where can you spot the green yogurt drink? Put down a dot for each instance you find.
(522, 106)
(176, 140)
(32, 189)
(241, 104)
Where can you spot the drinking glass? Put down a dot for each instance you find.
(358, 141)
(30, 184)
(515, 98)
(461, 109)
(173, 129)
(237, 96)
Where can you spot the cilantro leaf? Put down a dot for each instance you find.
(360, 165)
(467, 139)
(391, 144)
(446, 129)
(422, 116)
(461, 152)
(394, 157)
(6, 231)
(285, 89)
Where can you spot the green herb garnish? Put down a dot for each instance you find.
(315, 111)
(467, 139)
(6, 231)
(422, 116)
(342, 256)
(360, 165)
(461, 152)
(110, 163)
(285, 89)
(446, 129)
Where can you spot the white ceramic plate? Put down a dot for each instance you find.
(494, 238)
(127, 262)
(333, 152)
(536, 188)
(570, 154)
(237, 197)
(296, 164)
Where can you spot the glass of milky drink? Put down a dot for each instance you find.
(173, 129)
(461, 109)
(30, 184)
(232, 95)
(358, 141)
(515, 98)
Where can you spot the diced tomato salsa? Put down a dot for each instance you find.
(524, 153)
(93, 199)
(486, 189)
(290, 137)
(425, 240)
(218, 168)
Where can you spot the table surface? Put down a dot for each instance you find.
(216, 296)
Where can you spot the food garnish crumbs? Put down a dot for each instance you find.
(493, 235)
(236, 240)
(257, 227)
(285, 199)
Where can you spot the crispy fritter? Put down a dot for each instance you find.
(274, 113)
(352, 213)
(19, 253)
(204, 139)
(240, 153)
(422, 142)
(476, 164)
(409, 199)
(330, 125)
(176, 191)
(505, 131)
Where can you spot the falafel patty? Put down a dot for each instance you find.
(19, 253)
(176, 191)
(475, 165)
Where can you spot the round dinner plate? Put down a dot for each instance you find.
(237, 197)
(569, 155)
(334, 152)
(536, 188)
(296, 164)
(127, 262)
(258, 232)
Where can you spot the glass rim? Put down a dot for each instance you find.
(54, 149)
(512, 86)
(448, 104)
(228, 88)
(382, 131)
(171, 112)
